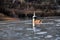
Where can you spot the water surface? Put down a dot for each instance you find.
(22, 29)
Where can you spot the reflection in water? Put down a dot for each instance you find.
(21, 30)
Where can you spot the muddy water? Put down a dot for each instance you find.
(22, 30)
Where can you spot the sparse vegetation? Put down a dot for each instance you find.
(16, 7)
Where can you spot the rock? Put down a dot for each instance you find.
(6, 18)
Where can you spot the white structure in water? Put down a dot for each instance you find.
(34, 22)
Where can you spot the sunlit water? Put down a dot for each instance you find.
(23, 30)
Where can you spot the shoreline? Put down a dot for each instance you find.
(14, 19)
(8, 19)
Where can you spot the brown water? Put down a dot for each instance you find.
(22, 30)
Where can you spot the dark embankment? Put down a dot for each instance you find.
(24, 8)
